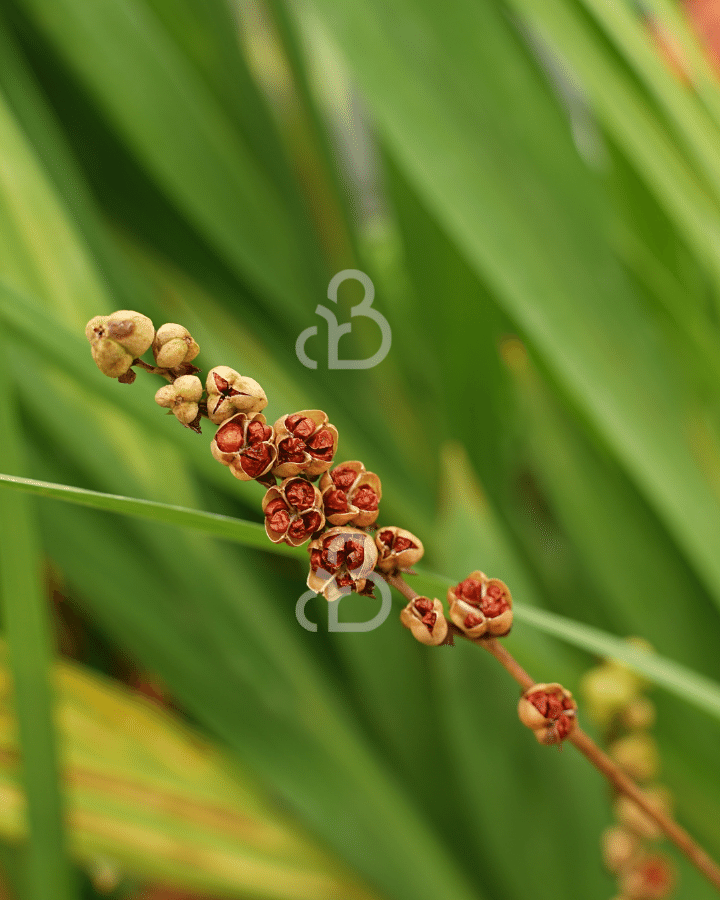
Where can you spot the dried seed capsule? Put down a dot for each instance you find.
(549, 710)
(306, 443)
(637, 755)
(116, 340)
(639, 714)
(629, 814)
(608, 689)
(398, 549)
(293, 512)
(181, 397)
(112, 359)
(229, 392)
(481, 605)
(340, 561)
(651, 876)
(173, 345)
(351, 494)
(426, 619)
(619, 846)
(245, 444)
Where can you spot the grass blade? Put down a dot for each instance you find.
(27, 625)
(249, 534)
(682, 681)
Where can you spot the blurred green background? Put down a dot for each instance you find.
(534, 189)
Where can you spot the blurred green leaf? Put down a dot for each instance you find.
(26, 622)
(534, 227)
(173, 123)
(157, 800)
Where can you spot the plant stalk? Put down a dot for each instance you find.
(687, 845)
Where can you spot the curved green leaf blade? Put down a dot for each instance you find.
(249, 534)
(27, 624)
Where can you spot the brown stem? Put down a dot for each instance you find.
(590, 750)
(154, 370)
(170, 375)
(682, 840)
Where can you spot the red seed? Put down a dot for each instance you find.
(332, 559)
(312, 522)
(549, 705)
(354, 554)
(335, 502)
(300, 494)
(493, 609)
(402, 543)
(279, 521)
(470, 590)
(300, 426)
(321, 445)
(540, 701)
(297, 529)
(423, 605)
(291, 450)
(256, 432)
(563, 726)
(343, 477)
(365, 498)
(256, 460)
(230, 437)
(274, 506)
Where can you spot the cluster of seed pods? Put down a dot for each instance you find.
(310, 500)
(333, 508)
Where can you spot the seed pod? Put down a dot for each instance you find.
(549, 710)
(112, 359)
(173, 345)
(293, 512)
(181, 397)
(426, 619)
(608, 689)
(469, 619)
(245, 444)
(229, 392)
(481, 605)
(637, 755)
(651, 876)
(629, 814)
(116, 340)
(306, 443)
(351, 494)
(619, 846)
(639, 714)
(340, 561)
(398, 549)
